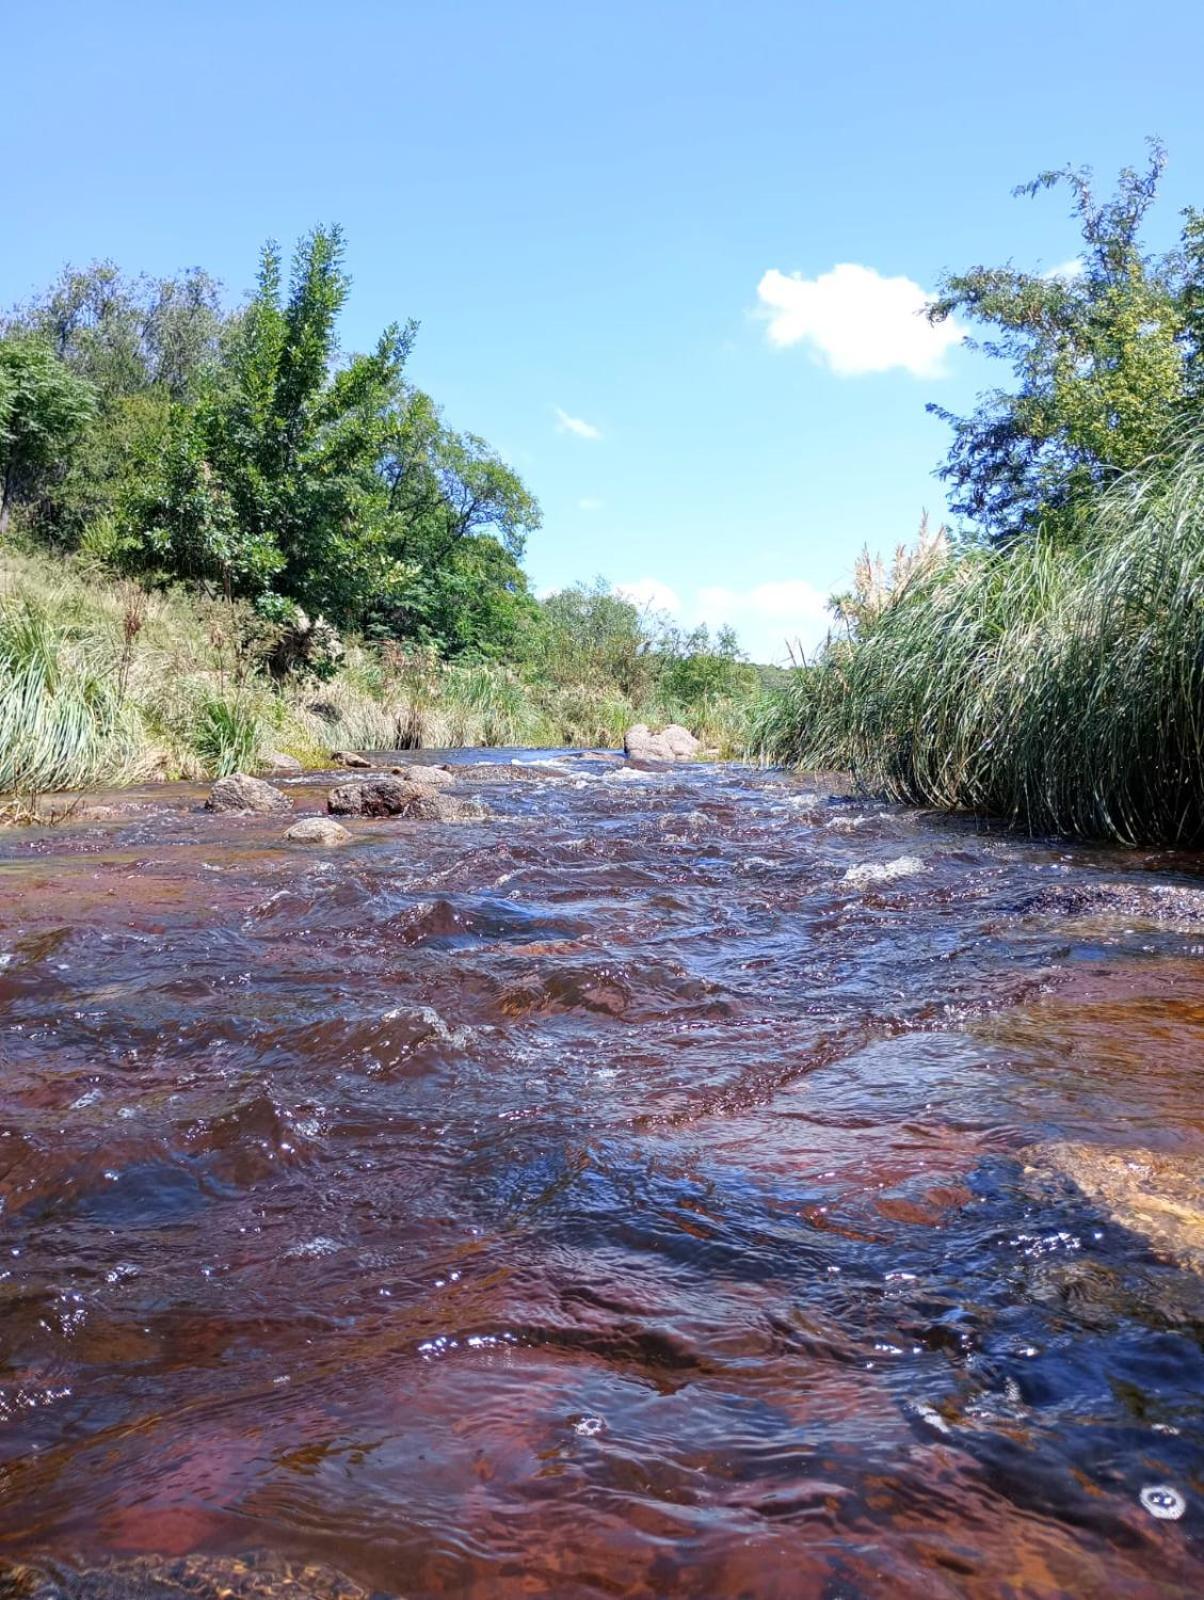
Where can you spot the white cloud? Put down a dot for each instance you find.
(650, 594)
(589, 504)
(857, 321)
(577, 425)
(1074, 268)
(771, 619)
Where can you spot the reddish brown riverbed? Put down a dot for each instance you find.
(620, 1196)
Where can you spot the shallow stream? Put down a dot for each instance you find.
(630, 1194)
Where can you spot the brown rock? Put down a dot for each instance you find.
(192, 1577)
(317, 830)
(350, 758)
(241, 793)
(386, 797)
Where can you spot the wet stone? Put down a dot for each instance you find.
(240, 793)
(426, 777)
(1169, 904)
(396, 797)
(317, 830)
(278, 762)
(1160, 1197)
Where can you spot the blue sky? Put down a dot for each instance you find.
(581, 204)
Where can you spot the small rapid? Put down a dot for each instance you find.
(677, 1182)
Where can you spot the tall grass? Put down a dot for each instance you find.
(63, 722)
(1059, 688)
(101, 682)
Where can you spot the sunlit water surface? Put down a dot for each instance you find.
(618, 1196)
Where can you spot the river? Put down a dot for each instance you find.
(632, 1193)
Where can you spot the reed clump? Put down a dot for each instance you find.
(1057, 686)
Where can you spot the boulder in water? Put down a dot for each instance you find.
(317, 830)
(395, 797)
(241, 793)
(673, 743)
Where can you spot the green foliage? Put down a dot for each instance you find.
(341, 567)
(1105, 361)
(331, 482)
(143, 345)
(44, 408)
(227, 735)
(1057, 686)
(698, 669)
(588, 634)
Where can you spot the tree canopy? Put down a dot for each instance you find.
(1107, 357)
(244, 451)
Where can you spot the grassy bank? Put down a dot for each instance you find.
(103, 682)
(1058, 686)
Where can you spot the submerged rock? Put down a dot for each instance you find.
(241, 793)
(673, 743)
(317, 830)
(1171, 905)
(1160, 1197)
(350, 758)
(396, 797)
(196, 1577)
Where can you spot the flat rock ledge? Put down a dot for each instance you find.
(240, 793)
(317, 830)
(397, 797)
(673, 743)
(1148, 1192)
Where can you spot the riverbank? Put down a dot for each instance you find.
(103, 682)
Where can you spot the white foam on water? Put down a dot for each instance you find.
(310, 1249)
(928, 1414)
(884, 871)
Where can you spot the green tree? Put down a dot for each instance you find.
(44, 408)
(127, 335)
(303, 476)
(1101, 356)
(589, 634)
(458, 520)
(145, 345)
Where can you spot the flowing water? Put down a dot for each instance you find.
(628, 1194)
